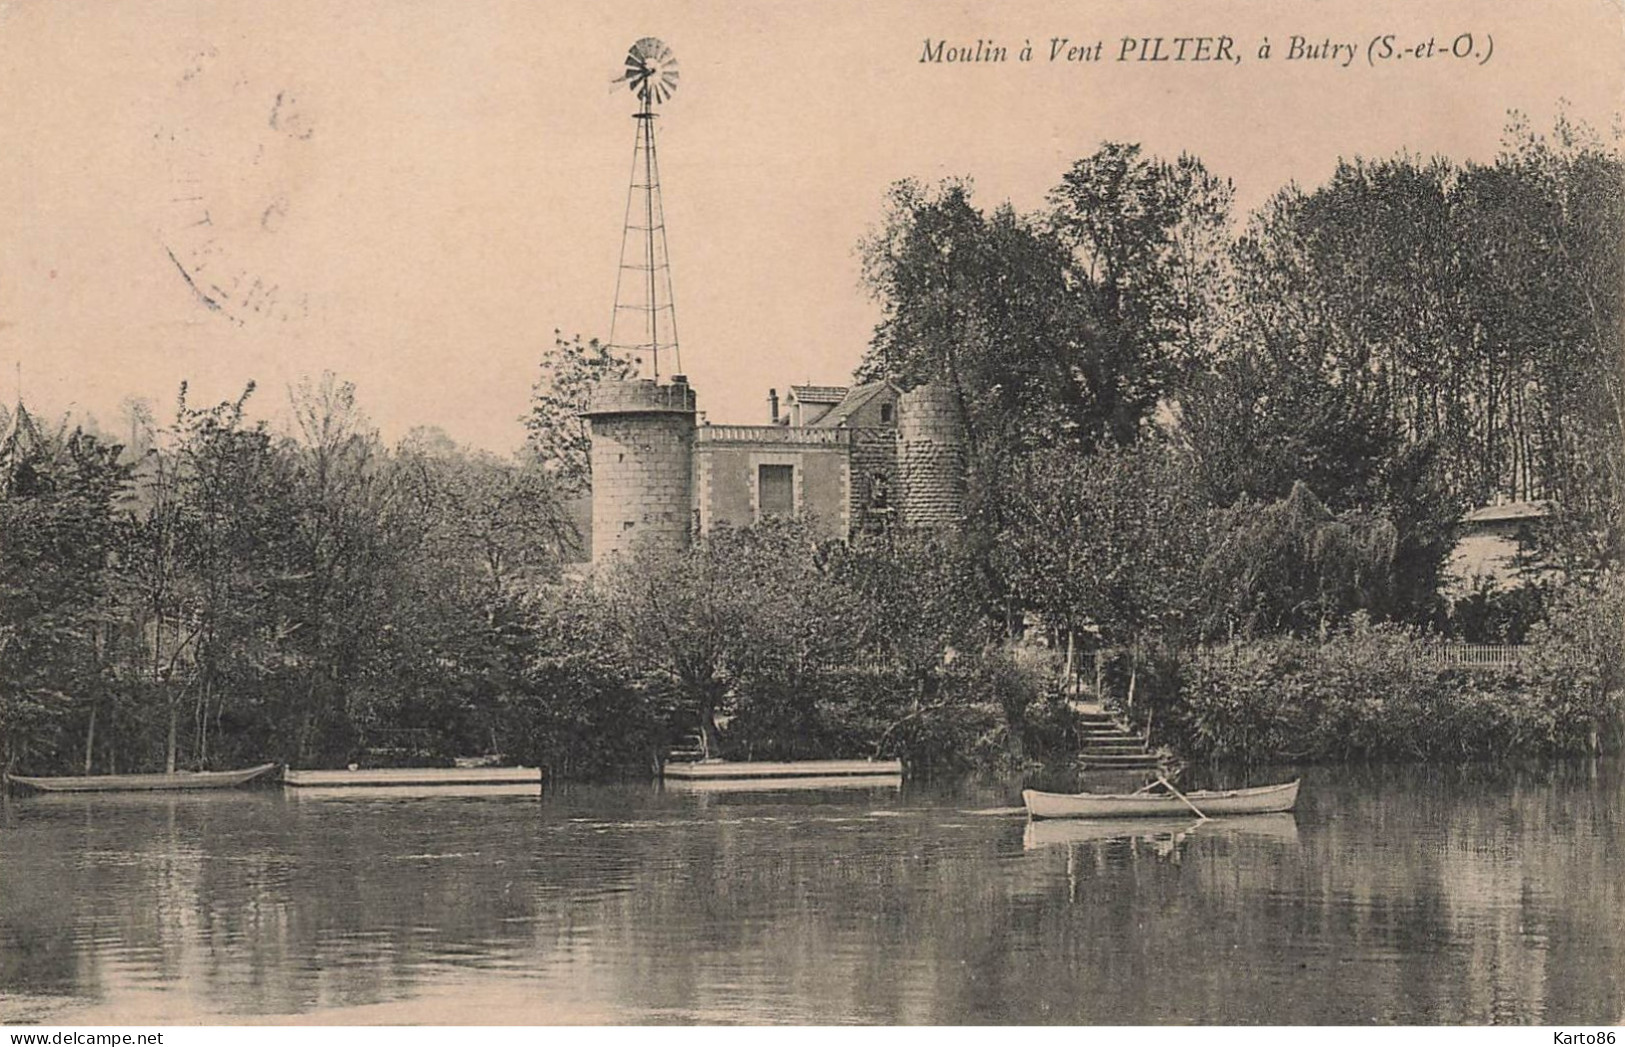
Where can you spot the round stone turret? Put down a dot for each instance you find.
(930, 458)
(642, 437)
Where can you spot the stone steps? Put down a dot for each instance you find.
(1106, 744)
(690, 750)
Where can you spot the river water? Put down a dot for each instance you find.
(1411, 895)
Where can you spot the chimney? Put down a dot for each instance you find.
(773, 406)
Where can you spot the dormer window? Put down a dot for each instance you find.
(886, 413)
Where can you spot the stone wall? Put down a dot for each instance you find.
(642, 465)
(727, 459)
(931, 458)
(873, 467)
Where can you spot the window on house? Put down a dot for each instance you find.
(885, 414)
(776, 490)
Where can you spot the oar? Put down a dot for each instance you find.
(1169, 785)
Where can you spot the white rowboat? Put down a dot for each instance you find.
(1264, 799)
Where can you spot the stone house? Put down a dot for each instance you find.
(845, 460)
(1491, 540)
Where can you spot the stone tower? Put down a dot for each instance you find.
(930, 458)
(642, 465)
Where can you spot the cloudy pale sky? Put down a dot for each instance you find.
(416, 193)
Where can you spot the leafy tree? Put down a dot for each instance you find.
(1547, 275)
(58, 530)
(1417, 337)
(1296, 567)
(555, 430)
(983, 304)
(503, 519)
(1149, 239)
(235, 527)
(738, 622)
(1109, 545)
(352, 527)
(915, 601)
(480, 535)
(578, 708)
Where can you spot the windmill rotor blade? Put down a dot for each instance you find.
(651, 70)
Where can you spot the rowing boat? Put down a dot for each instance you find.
(723, 769)
(1264, 799)
(401, 777)
(764, 785)
(129, 783)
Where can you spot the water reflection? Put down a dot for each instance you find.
(1411, 895)
(1281, 828)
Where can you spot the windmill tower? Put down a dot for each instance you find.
(645, 319)
(642, 431)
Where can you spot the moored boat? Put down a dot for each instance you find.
(799, 783)
(398, 777)
(1264, 799)
(723, 769)
(130, 783)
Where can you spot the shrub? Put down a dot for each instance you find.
(1377, 692)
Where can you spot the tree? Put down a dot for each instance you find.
(351, 528)
(482, 535)
(501, 520)
(1149, 239)
(1408, 312)
(920, 621)
(234, 533)
(1296, 567)
(742, 621)
(1547, 274)
(1110, 544)
(58, 530)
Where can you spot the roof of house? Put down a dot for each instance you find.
(818, 394)
(1507, 511)
(852, 403)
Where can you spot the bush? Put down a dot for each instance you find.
(1377, 692)
(1576, 663)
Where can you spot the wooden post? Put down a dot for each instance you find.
(90, 736)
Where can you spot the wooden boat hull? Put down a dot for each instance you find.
(127, 783)
(800, 783)
(724, 770)
(400, 777)
(412, 793)
(1266, 799)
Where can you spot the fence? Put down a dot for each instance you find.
(1492, 655)
(1088, 664)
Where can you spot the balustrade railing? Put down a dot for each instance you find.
(1478, 654)
(770, 434)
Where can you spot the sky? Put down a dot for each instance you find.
(415, 194)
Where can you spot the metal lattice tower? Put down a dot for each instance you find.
(645, 319)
